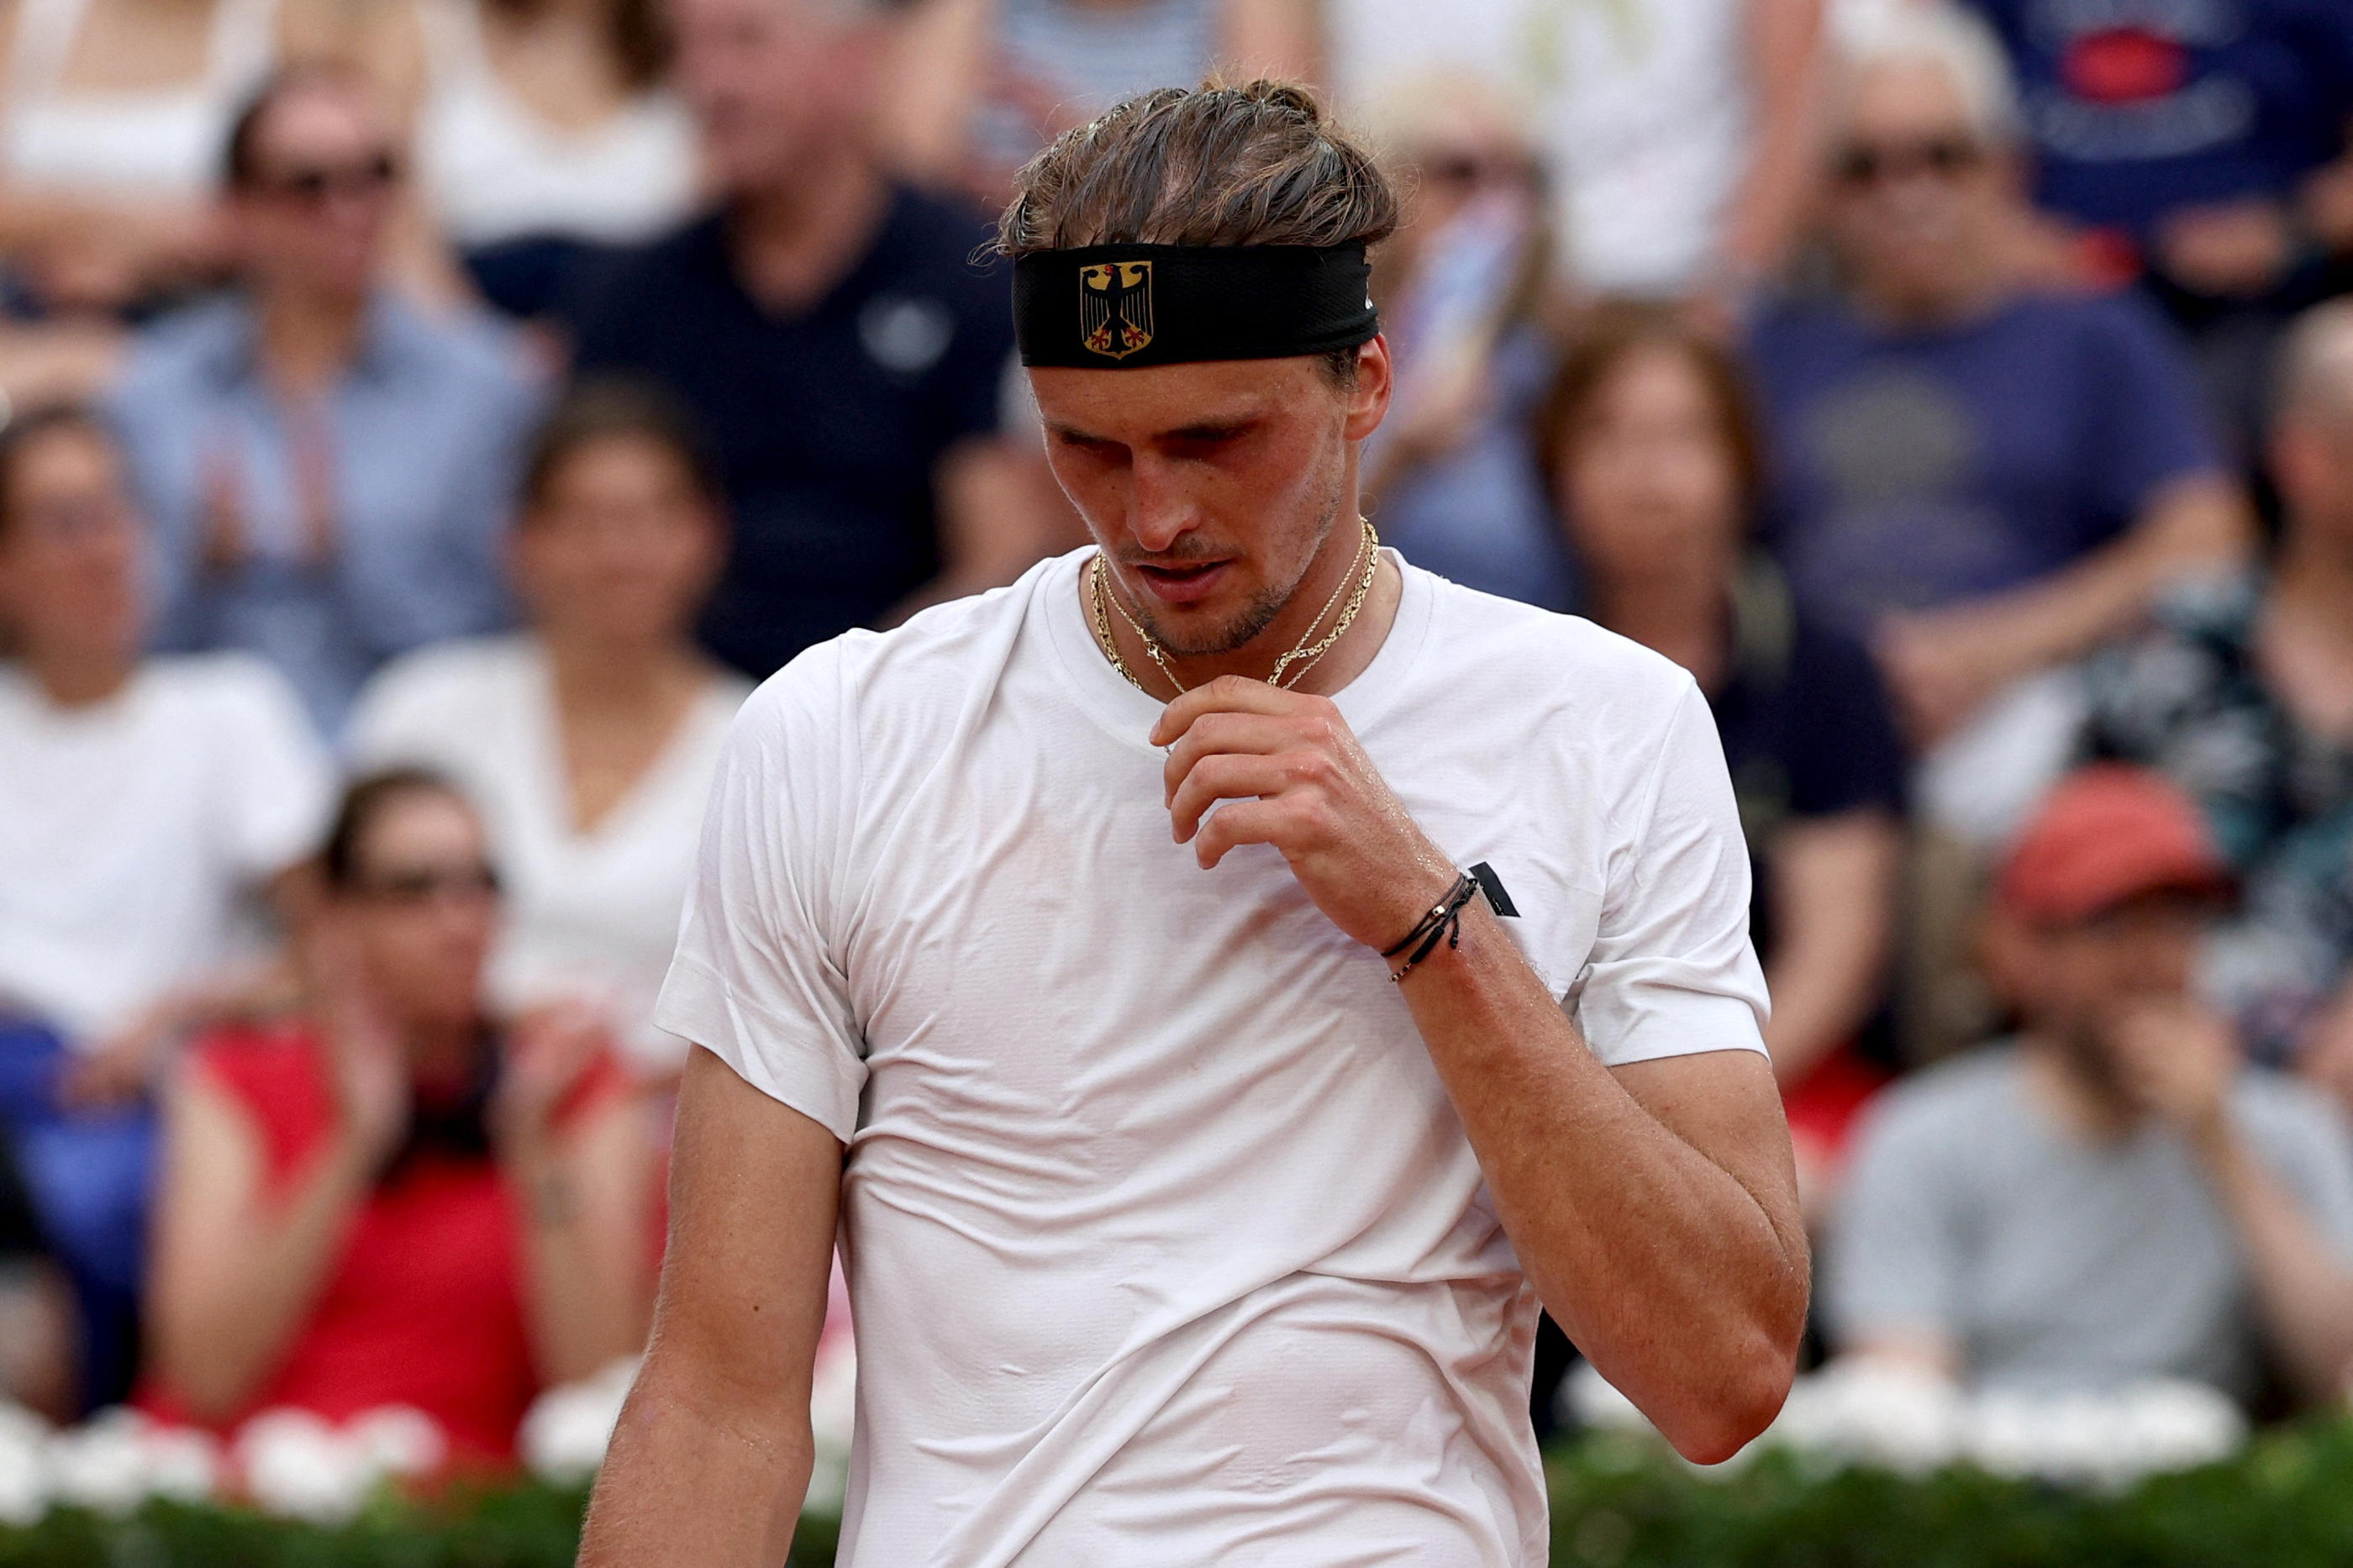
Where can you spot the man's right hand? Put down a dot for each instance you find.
(2176, 1061)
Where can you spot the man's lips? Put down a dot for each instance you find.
(1184, 583)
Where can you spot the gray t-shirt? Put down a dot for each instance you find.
(2055, 1261)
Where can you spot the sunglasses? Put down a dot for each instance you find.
(315, 184)
(1865, 163)
(425, 885)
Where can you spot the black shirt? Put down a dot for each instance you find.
(1804, 720)
(827, 424)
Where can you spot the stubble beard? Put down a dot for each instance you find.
(1248, 624)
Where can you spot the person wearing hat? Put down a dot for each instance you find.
(2111, 1194)
(1220, 985)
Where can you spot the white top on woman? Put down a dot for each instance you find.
(592, 914)
(164, 142)
(495, 170)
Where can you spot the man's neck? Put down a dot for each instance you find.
(1331, 581)
(2086, 1104)
(82, 677)
(2313, 577)
(305, 341)
(618, 677)
(1978, 289)
(2304, 638)
(794, 241)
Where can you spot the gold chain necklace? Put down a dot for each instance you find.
(1363, 569)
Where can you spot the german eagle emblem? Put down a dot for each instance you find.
(1115, 307)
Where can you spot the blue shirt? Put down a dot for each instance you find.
(1916, 468)
(2139, 106)
(423, 434)
(828, 423)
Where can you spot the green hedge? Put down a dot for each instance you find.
(2287, 1503)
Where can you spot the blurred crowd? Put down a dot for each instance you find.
(427, 417)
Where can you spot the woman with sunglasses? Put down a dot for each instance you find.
(390, 1199)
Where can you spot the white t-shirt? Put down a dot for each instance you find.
(1165, 1243)
(131, 831)
(589, 916)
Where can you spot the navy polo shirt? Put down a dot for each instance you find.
(827, 424)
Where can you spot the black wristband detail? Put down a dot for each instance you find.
(1444, 921)
(1128, 307)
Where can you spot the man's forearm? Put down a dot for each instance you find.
(2199, 524)
(1677, 1281)
(2303, 1290)
(691, 1484)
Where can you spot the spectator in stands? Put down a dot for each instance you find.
(2242, 692)
(830, 332)
(543, 130)
(1651, 445)
(2202, 148)
(1680, 134)
(986, 83)
(395, 1200)
(328, 469)
(2198, 141)
(144, 804)
(2111, 1196)
(1980, 478)
(588, 742)
(1452, 474)
(112, 116)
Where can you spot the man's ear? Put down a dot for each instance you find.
(1369, 399)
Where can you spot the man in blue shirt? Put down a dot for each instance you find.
(828, 328)
(1979, 479)
(2184, 127)
(327, 470)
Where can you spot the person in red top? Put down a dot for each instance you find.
(389, 1200)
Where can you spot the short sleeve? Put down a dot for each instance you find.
(758, 978)
(1892, 1262)
(2305, 1139)
(280, 780)
(2150, 426)
(1671, 971)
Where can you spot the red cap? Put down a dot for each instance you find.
(2107, 834)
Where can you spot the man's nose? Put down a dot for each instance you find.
(1159, 512)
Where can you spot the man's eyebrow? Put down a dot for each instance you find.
(1202, 430)
(1212, 429)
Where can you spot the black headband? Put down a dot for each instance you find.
(1111, 307)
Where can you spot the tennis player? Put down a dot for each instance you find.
(1216, 987)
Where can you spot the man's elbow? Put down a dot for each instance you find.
(1729, 1416)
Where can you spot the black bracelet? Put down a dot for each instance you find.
(1445, 919)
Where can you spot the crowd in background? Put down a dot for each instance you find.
(428, 419)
